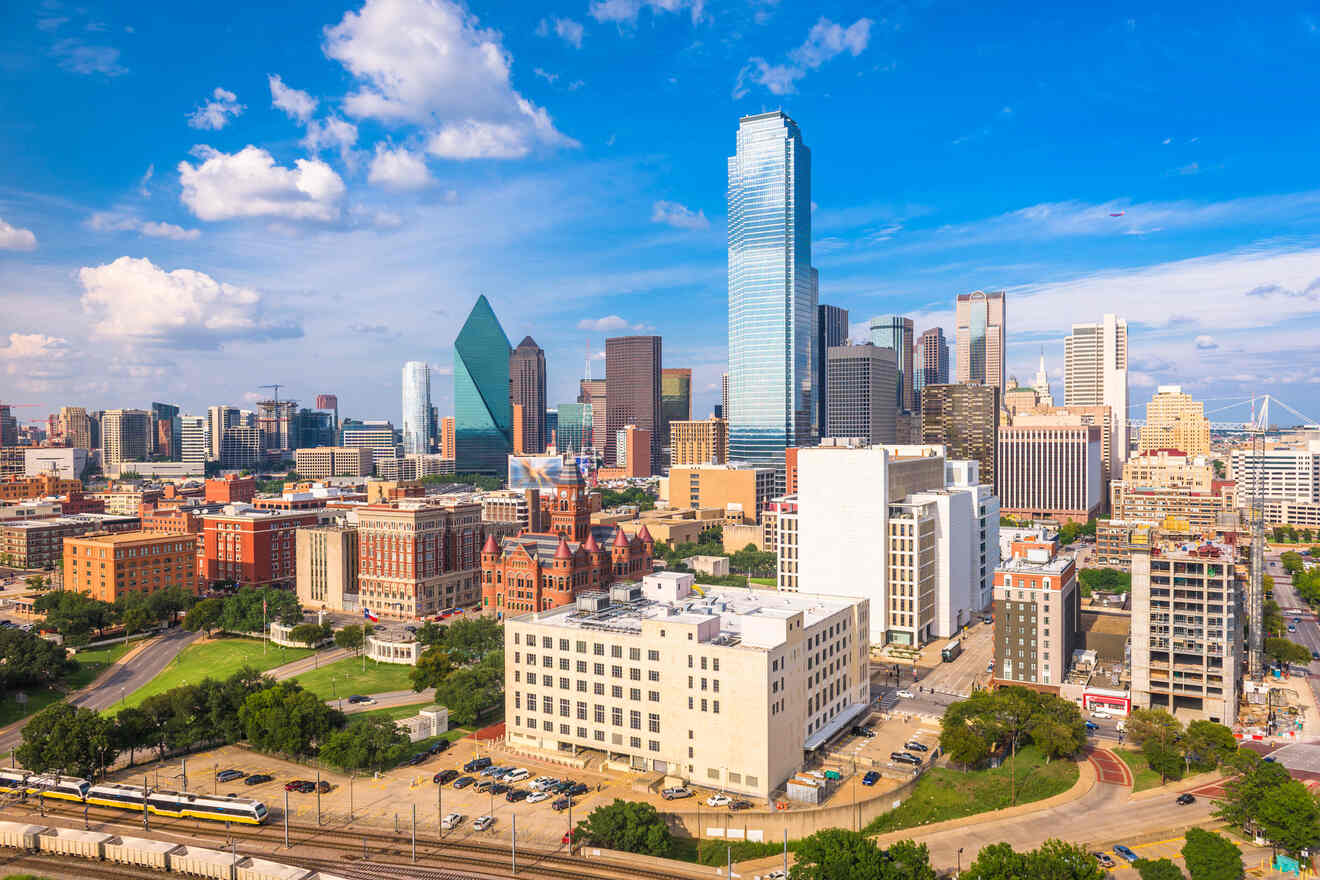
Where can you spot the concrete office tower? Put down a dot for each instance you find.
(125, 436)
(192, 443)
(483, 417)
(1050, 471)
(1095, 374)
(859, 386)
(527, 389)
(930, 361)
(416, 408)
(218, 419)
(964, 418)
(895, 333)
(916, 535)
(980, 337)
(831, 330)
(329, 402)
(374, 434)
(772, 306)
(724, 397)
(1175, 421)
(592, 393)
(1186, 631)
(327, 567)
(240, 448)
(632, 390)
(698, 442)
(675, 399)
(75, 427)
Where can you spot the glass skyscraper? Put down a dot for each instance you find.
(892, 331)
(772, 293)
(574, 427)
(416, 408)
(483, 417)
(831, 330)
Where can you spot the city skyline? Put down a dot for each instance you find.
(1196, 235)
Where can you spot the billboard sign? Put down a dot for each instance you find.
(534, 471)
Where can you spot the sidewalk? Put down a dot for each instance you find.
(307, 664)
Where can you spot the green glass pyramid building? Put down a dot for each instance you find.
(483, 418)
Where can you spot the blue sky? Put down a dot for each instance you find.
(191, 207)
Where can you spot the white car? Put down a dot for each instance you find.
(718, 800)
(906, 694)
(453, 820)
(483, 822)
(537, 796)
(515, 775)
(541, 783)
(1101, 713)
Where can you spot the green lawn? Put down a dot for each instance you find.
(1142, 776)
(91, 663)
(765, 582)
(394, 713)
(214, 658)
(715, 852)
(944, 793)
(347, 676)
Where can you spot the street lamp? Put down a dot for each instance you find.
(959, 874)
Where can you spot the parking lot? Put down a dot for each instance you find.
(959, 676)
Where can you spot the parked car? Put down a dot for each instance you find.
(517, 794)
(229, 775)
(360, 698)
(516, 775)
(483, 822)
(485, 785)
(1101, 713)
(1104, 859)
(906, 694)
(1185, 798)
(740, 805)
(476, 764)
(718, 800)
(537, 796)
(1124, 853)
(985, 618)
(293, 785)
(444, 777)
(833, 775)
(561, 804)
(1291, 628)
(437, 748)
(859, 730)
(451, 821)
(500, 788)
(905, 758)
(673, 794)
(496, 772)
(325, 786)
(871, 778)
(306, 786)
(258, 779)
(576, 789)
(464, 781)
(913, 745)
(561, 786)
(541, 783)
(1092, 727)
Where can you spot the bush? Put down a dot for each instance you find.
(628, 826)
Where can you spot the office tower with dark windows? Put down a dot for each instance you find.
(773, 400)
(527, 390)
(895, 332)
(574, 433)
(164, 440)
(980, 338)
(125, 436)
(632, 390)
(592, 393)
(965, 420)
(859, 385)
(218, 419)
(831, 330)
(483, 417)
(329, 402)
(675, 399)
(416, 408)
(931, 361)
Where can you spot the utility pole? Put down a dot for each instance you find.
(286, 818)
(318, 796)
(414, 834)
(146, 823)
(514, 862)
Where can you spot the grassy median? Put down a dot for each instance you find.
(1142, 776)
(216, 658)
(343, 678)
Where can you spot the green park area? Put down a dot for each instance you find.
(354, 675)
(216, 658)
(1142, 776)
(945, 793)
(91, 663)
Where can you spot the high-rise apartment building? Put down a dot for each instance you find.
(1049, 471)
(241, 449)
(980, 338)
(859, 386)
(1186, 632)
(416, 408)
(698, 442)
(8, 426)
(930, 361)
(592, 393)
(632, 390)
(446, 437)
(724, 397)
(75, 427)
(1175, 421)
(483, 416)
(277, 420)
(125, 436)
(527, 390)
(965, 420)
(831, 330)
(1095, 374)
(218, 420)
(1037, 615)
(895, 333)
(772, 293)
(192, 443)
(675, 399)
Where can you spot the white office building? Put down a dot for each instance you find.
(1095, 374)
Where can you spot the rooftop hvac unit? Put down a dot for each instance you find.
(592, 602)
(625, 593)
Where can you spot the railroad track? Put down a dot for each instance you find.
(386, 855)
(61, 866)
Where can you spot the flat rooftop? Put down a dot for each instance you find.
(121, 538)
(1020, 564)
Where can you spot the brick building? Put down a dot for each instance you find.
(16, 488)
(107, 566)
(39, 543)
(250, 547)
(231, 489)
(417, 558)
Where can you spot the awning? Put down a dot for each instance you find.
(840, 721)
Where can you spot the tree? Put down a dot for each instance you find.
(1290, 817)
(433, 667)
(1211, 856)
(628, 826)
(1287, 651)
(471, 638)
(287, 719)
(1166, 758)
(35, 582)
(1106, 580)
(70, 740)
(27, 660)
(1256, 782)
(367, 743)
(835, 852)
(243, 611)
(467, 691)
(1207, 744)
(1159, 869)
(429, 633)
(74, 615)
(133, 731)
(758, 563)
(310, 634)
(1146, 724)
(352, 637)
(962, 744)
(205, 616)
(1055, 860)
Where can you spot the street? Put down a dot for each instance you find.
(1308, 630)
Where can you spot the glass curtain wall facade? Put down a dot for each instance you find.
(574, 427)
(483, 417)
(773, 399)
(675, 399)
(893, 332)
(416, 408)
(831, 330)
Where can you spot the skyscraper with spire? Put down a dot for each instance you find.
(1042, 383)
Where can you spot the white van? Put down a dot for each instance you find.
(515, 775)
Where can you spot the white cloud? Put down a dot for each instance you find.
(14, 239)
(32, 359)
(566, 29)
(110, 221)
(678, 216)
(429, 63)
(298, 104)
(331, 133)
(825, 40)
(1205, 343)
(249, 184)
(76, 56)
(627, 11)
(33, 345)
(607, 324)
(398, 169)
(216, 113)
(546, 75)
(133, 300)
(143, 187)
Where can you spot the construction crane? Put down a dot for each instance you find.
(1257, 428)
(276, 388)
